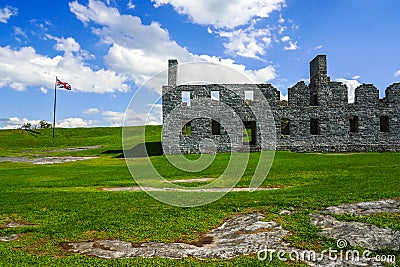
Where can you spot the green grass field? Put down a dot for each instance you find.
(65, 203)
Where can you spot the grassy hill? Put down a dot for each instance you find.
(65, 204)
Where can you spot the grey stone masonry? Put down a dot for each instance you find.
(172, 72)
(316, 118)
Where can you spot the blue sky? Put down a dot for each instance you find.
(107, 48)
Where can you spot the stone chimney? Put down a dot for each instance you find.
(318, 69)
(172, 72)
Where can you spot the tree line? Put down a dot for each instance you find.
(42, 125)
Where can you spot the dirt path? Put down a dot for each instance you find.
(166, 189)
(43, 160)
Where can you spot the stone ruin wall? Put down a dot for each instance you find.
(368, 124)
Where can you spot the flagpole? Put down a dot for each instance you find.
(54, 111)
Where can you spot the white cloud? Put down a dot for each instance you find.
(356, 77)
(153, 117)
(136, 49)
(235, 21)
(16, 123)
(18, 86)
(140, 64)
(75, 123)
(223, 13)
(291, 46)
(281, 19)
(397, 73)
(318, 47)
(248, 42)
(140, 50)
(91, 111)
(281, 29)
(110, 118)
(44, 90)
(130, 5)
(115, 118)
(7, 12)
(284, 97)
(285, 38)
(19, 32)
(67, 45)
(224, 71)
(351, 86)
(70, 47)
(262, 75)
(20, 68)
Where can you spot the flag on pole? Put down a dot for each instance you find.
(63, 85)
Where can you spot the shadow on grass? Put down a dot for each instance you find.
(142, 150)
(32, 132)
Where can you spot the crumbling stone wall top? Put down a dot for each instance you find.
(317, 117)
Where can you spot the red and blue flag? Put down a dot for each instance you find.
(63, 85)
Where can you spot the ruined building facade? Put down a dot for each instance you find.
(317, 117)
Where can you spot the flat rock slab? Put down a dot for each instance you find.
(44, 160)
(8, 238)
(358, 234)
(167, 189)
(241, 235)
(194, 180)
(17, 224)
(13, 225)
(73, 149)
(366, 208)
(247, 234)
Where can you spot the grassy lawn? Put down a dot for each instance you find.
(65, 204)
